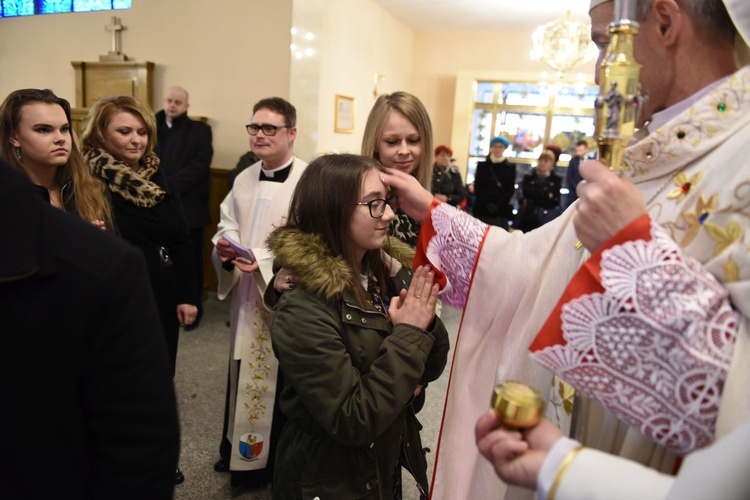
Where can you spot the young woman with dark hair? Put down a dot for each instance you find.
(354, 338)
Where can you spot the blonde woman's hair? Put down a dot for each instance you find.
(101, 114)
(88, 192)
(413, 109)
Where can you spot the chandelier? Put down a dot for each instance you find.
(563, 44)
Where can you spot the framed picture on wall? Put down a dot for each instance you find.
(344, 116)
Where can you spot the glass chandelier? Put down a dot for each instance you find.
(563, 44)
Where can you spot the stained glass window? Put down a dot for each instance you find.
(530, 115)
(14, 8)
(55, 6)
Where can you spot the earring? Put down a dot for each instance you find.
(19, 154)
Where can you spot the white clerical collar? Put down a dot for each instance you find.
(660, 118)
(270, 173)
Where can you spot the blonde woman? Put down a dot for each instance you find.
(118, 143)
(398, 133)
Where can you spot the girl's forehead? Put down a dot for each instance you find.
(372, 182)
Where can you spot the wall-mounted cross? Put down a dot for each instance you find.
(115, 27)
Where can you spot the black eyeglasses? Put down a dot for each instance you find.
(268, 130)
(377, 206)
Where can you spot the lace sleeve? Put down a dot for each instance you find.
(451, 244)
(654, 346)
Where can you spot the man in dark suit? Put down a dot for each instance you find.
(185, 151)
(89, 408)
(572, 176)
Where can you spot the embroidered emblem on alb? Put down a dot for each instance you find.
(654, 347)
(456, 242)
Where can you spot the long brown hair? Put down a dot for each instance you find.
(317, 209)
(88, 192)
(413, 109)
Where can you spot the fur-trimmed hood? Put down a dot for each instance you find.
(317, 269)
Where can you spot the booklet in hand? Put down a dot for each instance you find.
(245, 252)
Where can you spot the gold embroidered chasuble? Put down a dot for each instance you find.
(694, 172)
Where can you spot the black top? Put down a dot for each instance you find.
(185, 153)
(84, 374)
(163, 236)
(494, 186)
(448, 182)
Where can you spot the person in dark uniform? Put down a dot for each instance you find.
(185, 152)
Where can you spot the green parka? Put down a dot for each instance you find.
(350, 377)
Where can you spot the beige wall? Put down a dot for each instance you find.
(227, 58)
(360, 39)
(239, 53)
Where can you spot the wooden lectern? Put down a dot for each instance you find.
(113, 74)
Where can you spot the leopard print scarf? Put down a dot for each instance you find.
(133, 186)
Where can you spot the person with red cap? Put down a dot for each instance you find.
(447, 184)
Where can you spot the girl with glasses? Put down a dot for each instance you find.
(354, 339)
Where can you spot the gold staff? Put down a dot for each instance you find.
(619, 101)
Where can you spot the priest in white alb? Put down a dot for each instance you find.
(258, 201)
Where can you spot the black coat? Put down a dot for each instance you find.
(88, 404)
(449, 183)
(494, 186)
(153, 229)
(572, 179)
(540, 200)
(185, 152)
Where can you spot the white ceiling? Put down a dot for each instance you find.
(481, 15)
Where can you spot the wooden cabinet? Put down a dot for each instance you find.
(95, 80)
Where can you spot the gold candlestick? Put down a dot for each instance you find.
(518, 405)
(619, 102)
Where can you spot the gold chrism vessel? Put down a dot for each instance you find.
(518, 405)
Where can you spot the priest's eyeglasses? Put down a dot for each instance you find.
(269, 130)
(377, 206)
